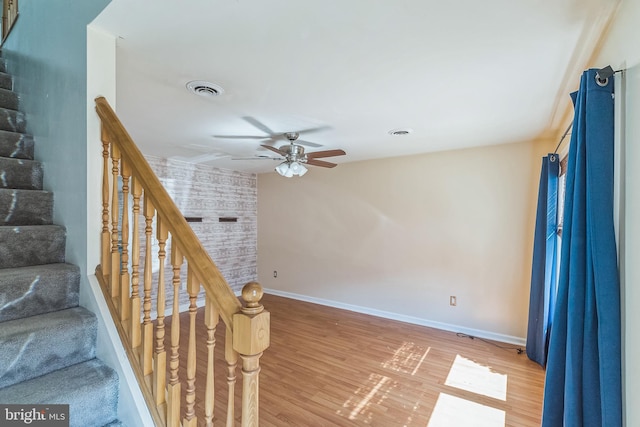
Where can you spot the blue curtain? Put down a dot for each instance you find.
(583, 377)
(543, 272)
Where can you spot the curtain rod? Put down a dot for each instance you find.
(564, 135)
(606, 72)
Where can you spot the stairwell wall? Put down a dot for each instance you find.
(47, 55)
(49, 52)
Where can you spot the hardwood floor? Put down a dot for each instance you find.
(331, 367)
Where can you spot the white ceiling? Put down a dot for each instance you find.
(459, 73)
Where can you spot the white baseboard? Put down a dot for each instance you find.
(402, 318)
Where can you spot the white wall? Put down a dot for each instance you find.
(101, 81)
(621, 51)
(399, 236)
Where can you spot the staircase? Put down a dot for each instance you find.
(47, 342)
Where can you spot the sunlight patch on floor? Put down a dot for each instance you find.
(468, 375)
(373, 393)
(407, 358)
(454, 411)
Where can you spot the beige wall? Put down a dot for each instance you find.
(401, 235)
(621, 51)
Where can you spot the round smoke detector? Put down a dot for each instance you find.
(203, 88)
(400, 131)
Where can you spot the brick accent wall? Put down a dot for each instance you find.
(208, 193)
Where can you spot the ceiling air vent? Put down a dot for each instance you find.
(401, 131)
(202, 88)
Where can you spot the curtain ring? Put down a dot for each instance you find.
(552, 158)
(602, 82)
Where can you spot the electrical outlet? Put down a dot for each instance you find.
(453, 301)
(275, 273)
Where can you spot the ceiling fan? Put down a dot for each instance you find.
(271, 136)
(295, 157)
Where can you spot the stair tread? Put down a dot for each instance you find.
(9, 99)
(16, 145)
(12, 120)
(89, 388)
(20, 174)
(32, 227)
(24, 245)
(6, 81)
(25, 207)
(38, 289)
(37, 345)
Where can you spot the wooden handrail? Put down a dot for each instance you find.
(208, 274)
(133, 196)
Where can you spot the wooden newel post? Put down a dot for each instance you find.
(250, 338)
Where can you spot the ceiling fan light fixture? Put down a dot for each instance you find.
(297, 168)
(290, 169)
(283, 168)
(289, 172)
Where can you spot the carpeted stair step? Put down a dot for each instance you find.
(16, 145)
(25, 245)
(89, 388)
(25, 207)
(6, 81)
(12, 120)
(116, 423)
(9, 99)
(20, 173)
(41, 344)
(30, 291)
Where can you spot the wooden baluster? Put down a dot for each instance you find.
(211, 318)
(193, 287)
(124, 268)
(250, 339)
(114, 275)
(136, 191)
(174, 387)
(147, 326)
(231, 356)
(105, 239)
(160, 359)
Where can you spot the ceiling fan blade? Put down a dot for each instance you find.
(325, 153)
(314, 130)
(241, 136)
(308, 144)
(202, 157)
(259, 125)
(321, 163)
(258, 158)
(274, 149)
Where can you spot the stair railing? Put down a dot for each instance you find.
(130, 295)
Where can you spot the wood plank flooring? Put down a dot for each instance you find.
(331, 367)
